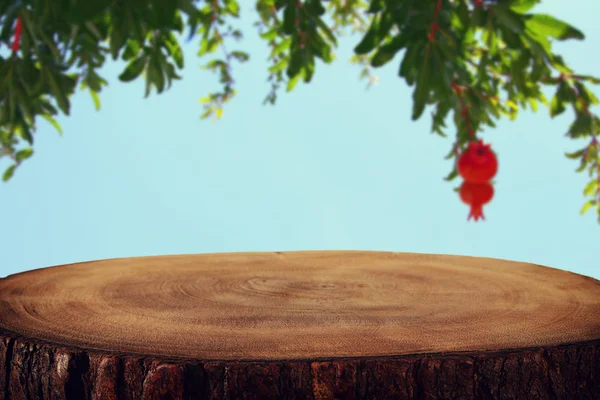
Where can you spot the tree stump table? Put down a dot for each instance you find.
(299, 325)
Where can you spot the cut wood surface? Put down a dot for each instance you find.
(311, 325)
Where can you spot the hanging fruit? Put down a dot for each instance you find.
(476, 195)
(478, 163)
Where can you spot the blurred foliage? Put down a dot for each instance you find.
(475, 60)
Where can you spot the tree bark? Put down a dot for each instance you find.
(299, 325)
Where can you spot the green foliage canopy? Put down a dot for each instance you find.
(475, 60)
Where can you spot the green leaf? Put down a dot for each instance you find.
(87, 10)
(591, 79)
(522, 6)
(53, 122)
(176, 52)
(320, 48)
(330, 35)
(23, 154)
(557, 107)
(588, 204)
(452, 175)
(289, 18)
(565, 93)
(51, 45)
(207, 46)
(59, 94)
(376, 6)
(509, 19)
(24, 132)
(582, 166)
(539, 69)
(96, 99)
(282, 46)
(232, 7)
(576, 154)
(148, 85)
(387, 52)
(591, 188)
(581, 126)
(133, 69)
(292, 83)
(478, 17)
(29, 26)
(207, 112)
(9, 172)
(25, 102)
(371, 38)
(421, 93)
(587, 95)
(117, 39)
(156, 74)
(559, 64)
(533, 103)
(132, 48)
(280, 66)
(241, 56)
(271, 34)
(295, 63)
(547, 25)
(315, 7)
(308, 71)
(92, 28)
(214, 64)
(407, 66)
(94, 81)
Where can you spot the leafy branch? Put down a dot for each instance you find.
(473, 60)
(212, 38)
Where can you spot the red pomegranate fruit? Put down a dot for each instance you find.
(476, 195)
(478, 163)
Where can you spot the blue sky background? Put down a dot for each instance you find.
(331, 166)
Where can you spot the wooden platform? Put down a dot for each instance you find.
(300, 325)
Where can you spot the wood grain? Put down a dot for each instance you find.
(314, 325)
